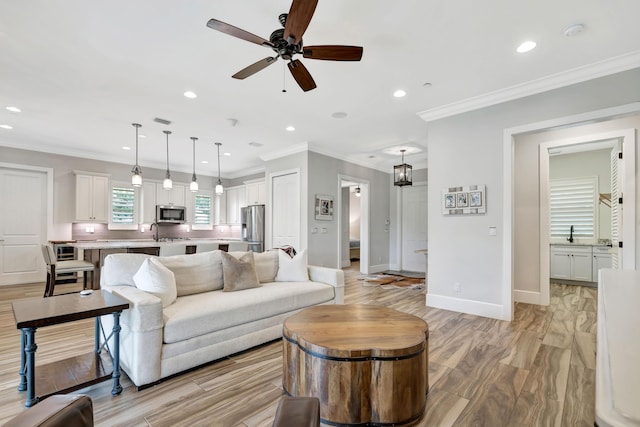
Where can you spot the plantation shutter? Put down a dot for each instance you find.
(202, 211)
(573, 202)
(615, 208)
(122, 205)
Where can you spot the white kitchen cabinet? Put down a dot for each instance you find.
(571, 263)
(173, 197)
(220, 209)
(236, 199)
(257, 193)
(148, 196)
(601, 259)
(92, 197)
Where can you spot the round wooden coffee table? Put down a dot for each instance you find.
(367, 364)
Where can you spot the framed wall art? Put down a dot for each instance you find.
(324, 207)
(465, 200)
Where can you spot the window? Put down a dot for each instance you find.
(203, 210)
(123, 207)
(573, 202)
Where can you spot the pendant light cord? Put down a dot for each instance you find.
(218, 144)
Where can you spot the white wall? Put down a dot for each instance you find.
(468, 149)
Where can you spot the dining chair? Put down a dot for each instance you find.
(59, 267)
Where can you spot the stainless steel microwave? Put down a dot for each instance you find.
(171, 214)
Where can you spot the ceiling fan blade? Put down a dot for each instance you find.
(333, 52)
(254, 68)
(298, 20)
(237, 32)
(301, 75)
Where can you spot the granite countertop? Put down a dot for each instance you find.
(143, 243)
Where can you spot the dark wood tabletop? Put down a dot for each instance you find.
(38, 312)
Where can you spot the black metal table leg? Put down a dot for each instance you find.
(30, 350)
(117, 388)
(23, 361)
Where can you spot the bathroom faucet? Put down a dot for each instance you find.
(155, 234)
(570, 238)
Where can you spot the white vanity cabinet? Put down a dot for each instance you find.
(571, 263)
(601, 259)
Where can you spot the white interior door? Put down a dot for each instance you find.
(23, 224)
(414, 227)
(285, 210)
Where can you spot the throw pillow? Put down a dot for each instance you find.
(240, 273)
(266, 264)
(292, 269)
(155, 278)
(195, 273)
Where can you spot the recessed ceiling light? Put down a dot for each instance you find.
(339, 115)
(526, 46)
(190, 95)
(427, 84)
(205, 162)
(290, 128)
(572, 30)
(255, 144)
(399, 93)
(226, 154)
(124, 147)
(6, 127)
(14, 109)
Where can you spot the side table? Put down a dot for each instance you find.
(76, 372)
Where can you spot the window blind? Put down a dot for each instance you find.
(203, 211)
(122, 205)
(574, 202)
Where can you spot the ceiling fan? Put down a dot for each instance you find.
(287, 42)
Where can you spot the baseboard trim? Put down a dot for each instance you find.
(378, 268)
(484, 309)
(528, 297)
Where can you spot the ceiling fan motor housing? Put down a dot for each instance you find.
(281, 47)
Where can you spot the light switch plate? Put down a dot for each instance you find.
(493, 231)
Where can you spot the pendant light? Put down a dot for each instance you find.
(167, 184)
(136, 179)
(219, 187)
(402, 173)
(357, 191)
(194, 181)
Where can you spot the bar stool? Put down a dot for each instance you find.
(169, 249)
(238, 246)
(59, 267)
(207, 247)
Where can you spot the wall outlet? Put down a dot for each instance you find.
(457, 287)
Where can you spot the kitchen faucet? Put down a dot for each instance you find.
(155, 235)
(570, 238)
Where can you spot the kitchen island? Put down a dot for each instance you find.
(96, 251)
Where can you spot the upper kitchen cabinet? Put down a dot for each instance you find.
(173, 197)
(257, 193)
(148, 196)
(220, 209)
(236, 199)
(92, 197)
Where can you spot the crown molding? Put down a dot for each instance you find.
(577, 75)
(294, 149)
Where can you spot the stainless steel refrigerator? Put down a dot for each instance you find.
(252, 220)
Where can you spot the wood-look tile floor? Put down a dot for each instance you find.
(538, 370)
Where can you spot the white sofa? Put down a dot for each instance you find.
(206, 322)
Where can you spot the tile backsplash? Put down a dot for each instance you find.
(101, 232)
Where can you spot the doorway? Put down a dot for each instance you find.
(285, 210)
(353, 222)
(25, 217)
(413, 227)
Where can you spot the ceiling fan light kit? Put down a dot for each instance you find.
(287, 42)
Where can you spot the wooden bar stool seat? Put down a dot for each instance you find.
(59, 267)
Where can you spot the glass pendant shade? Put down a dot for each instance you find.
(136, 178)
(402, 173)
(219, 187)
(167, 184)
(193, 187)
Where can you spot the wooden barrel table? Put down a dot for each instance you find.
(367, 364)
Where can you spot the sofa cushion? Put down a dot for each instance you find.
(155, 278)
(292, 269)
(195, 315)
(118, 269)
(239, 273)
(266, 264)
(195, 273)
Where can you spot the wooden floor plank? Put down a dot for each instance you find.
(536, 370)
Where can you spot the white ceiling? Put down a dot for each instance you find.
(83, 71)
